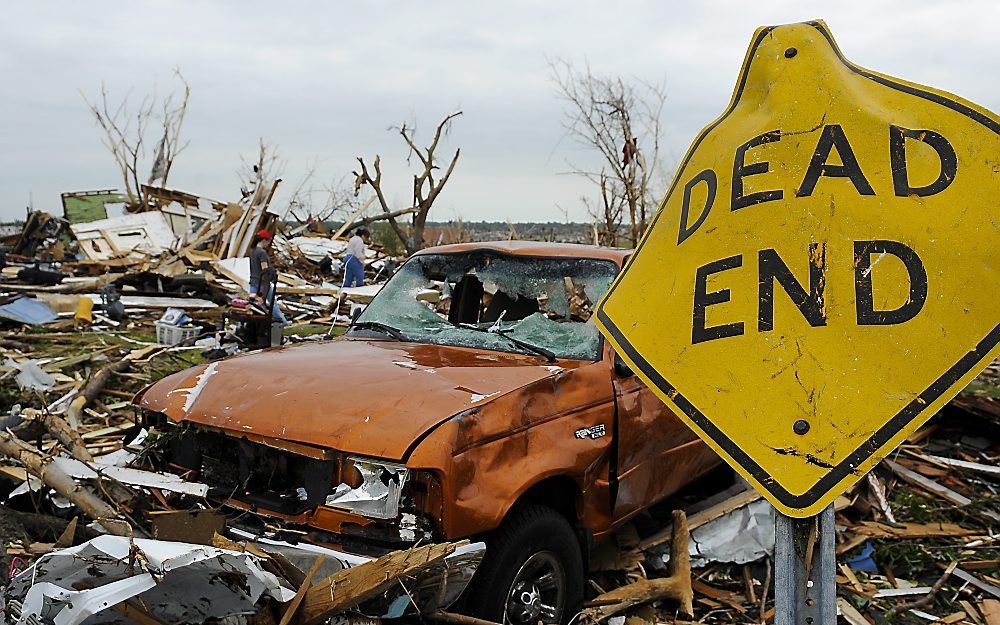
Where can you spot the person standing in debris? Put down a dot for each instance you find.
(354, 260)
(263, 275)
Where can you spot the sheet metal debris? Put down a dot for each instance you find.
(28, 310)
(166, 581)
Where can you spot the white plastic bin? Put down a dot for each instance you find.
(167, 334)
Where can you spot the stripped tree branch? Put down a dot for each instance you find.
(426, 188)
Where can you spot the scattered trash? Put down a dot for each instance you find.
(142, 580)
(30, 375)
(28, 310)
(863, 561)
(148, 297)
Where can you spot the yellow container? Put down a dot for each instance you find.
(84, 310)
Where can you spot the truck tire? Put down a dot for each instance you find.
(532, 571)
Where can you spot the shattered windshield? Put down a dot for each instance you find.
(494, 301)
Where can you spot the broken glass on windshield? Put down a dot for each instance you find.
(544, 302)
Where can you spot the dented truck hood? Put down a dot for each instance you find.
(369, 397)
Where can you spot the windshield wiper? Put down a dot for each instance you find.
(541, 351)
(378, 325)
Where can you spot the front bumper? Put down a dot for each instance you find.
(288, 493)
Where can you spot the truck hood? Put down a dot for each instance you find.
(370, 397)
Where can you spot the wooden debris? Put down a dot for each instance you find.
(720, 509)
(41, 467)
(349, 587)
(911, 530)
(977, 467)
(850, 613)
(457, 619)
(928, 593)
(975, 581)
(677, 586)
(927, 484)
(990, 609)
(293, 605)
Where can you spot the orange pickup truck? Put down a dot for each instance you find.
(473, 397)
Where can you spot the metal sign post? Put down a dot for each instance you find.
(805, 592)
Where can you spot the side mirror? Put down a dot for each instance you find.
(356, 313)
(622, 370)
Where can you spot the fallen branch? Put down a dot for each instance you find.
(926, 599)
(457, 619)
(45, 524)
(41, 467)
(94, 386)
(61, 430)
(676, 587)
(12, 344)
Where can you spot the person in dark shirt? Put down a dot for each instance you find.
(263, 274)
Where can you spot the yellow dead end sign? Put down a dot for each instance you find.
(822, 275)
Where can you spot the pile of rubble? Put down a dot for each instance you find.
(918, 541)
(95, 531)
(176, 251)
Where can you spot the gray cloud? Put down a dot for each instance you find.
(326, 80)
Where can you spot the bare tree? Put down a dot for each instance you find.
(301, 200)
(170, 143)
(606, 212)
(125, 131)
(622, 121)
(266, 167)
(426, 188)
(341, 201)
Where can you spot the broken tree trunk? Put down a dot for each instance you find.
(61, 430)
(41, 467)
(93, 388)
(676, 587)
(350, 587)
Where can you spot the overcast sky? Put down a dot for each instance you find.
(326, 80)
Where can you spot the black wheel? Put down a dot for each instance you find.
(533, 571)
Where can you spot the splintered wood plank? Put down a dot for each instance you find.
(698, 519)
(349, 587)
(911, 530)
(991, 611)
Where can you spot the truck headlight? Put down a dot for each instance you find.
(374, 489)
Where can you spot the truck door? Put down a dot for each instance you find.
(656, 452)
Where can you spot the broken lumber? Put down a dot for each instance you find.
(930, 485)
(985, 469)
(698, 519)
(911, 530)
(927, 484)
(457, 619)
(61, 430)
(991, 611)
(293, 605)
(975, 581)
(350, 587)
